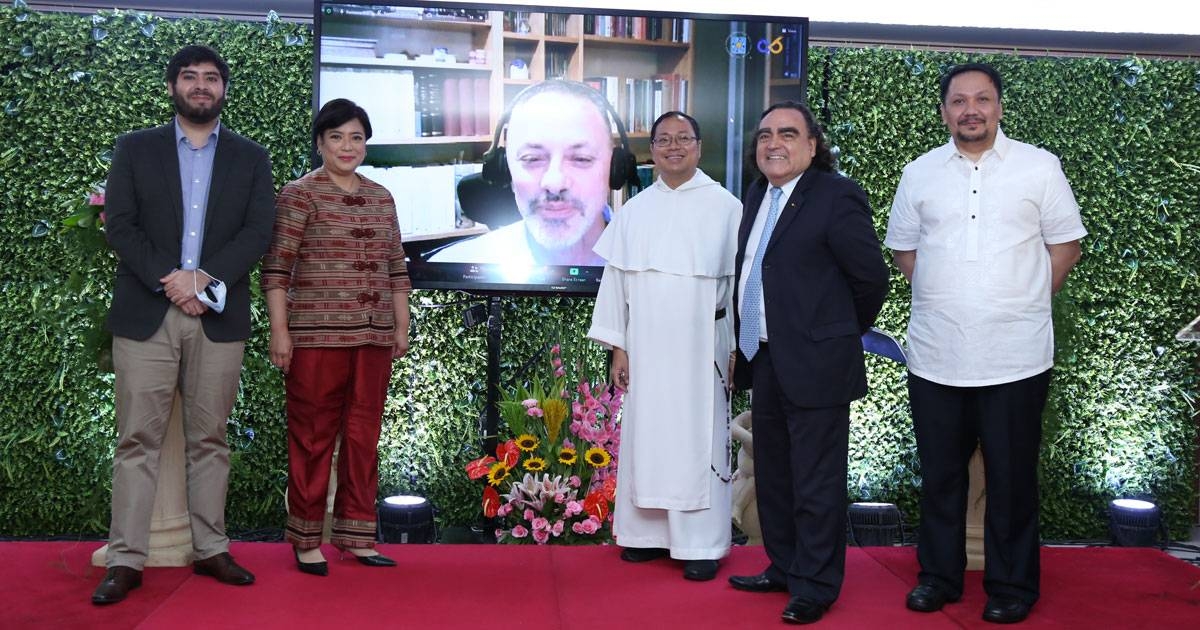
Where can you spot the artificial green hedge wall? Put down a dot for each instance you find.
(1119, 421)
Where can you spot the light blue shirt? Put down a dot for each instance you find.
(195, 175)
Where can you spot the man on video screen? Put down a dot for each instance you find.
(557, 152)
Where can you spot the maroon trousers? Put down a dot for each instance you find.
(332, 392)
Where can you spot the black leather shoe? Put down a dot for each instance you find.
(117, 583)
(222, 567)
(700, 570)
(927, 598)
(756, 583)
(801, 610)
(643, 554)
(377, 560)
(1005, 609)
(312, 568)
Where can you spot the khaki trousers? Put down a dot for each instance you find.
(178, 356)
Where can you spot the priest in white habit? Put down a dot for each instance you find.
(664, 309)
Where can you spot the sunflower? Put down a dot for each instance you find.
(498, 473)
(597, 457)
(535, 464)
(527, 442)
(568, 456)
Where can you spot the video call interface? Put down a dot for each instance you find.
(446, 84)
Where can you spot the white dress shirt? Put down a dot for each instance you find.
(981, 285)
(756, 230)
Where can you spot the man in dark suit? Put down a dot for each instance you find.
(811, 271)
(190, 207)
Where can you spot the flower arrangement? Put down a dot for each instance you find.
(554, 479)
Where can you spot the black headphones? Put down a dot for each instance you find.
(623, 166)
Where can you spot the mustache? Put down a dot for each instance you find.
(555, 197)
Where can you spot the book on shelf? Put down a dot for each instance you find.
(639, 102)
(431, 105)
(424, 196)
(388, 95)
(646, 28)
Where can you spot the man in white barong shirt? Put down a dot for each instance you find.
(986, 229)
(664, 309)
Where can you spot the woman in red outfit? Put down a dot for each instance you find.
(337, 294)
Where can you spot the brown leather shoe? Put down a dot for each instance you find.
(222, 567)
(117, 583)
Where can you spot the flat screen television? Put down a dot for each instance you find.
(509, 135)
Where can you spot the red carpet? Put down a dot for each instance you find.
(48, 585)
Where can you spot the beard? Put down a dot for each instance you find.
(556, 234)
(972, 136)
(197, 115)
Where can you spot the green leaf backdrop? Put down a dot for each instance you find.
(1119, 422)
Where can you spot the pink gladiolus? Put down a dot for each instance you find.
(540, 523)
(567, 443)
(519, 531)
(96, 199)
(529, 402)
(556, 349)
(575, 481)
(535, 412)
(556, 362)
(557, 529)
(528, 514)
(560, 372)
(103, 217)
(541, 536)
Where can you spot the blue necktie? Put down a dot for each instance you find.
(748, 339)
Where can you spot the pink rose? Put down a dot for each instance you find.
(528, 514)
(504, 510)
(557, 529)
(591, 525)
(541, 536)
(519, 531)
(540, 523)
(575, 481)
(573, 508)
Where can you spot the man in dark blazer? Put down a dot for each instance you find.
(190, 208)
(811, 272)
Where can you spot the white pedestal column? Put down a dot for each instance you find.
(976, 507)
(170, 524)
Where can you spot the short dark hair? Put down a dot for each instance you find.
(192, 55)
(985, 68)
(691, 121)
(823, 160)
(336, 113)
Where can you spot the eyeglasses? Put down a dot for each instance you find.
(663, 142)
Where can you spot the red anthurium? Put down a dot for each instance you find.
(479, 467)
(609, 488)
(596, 505)
(508, 452)
(491, 501)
